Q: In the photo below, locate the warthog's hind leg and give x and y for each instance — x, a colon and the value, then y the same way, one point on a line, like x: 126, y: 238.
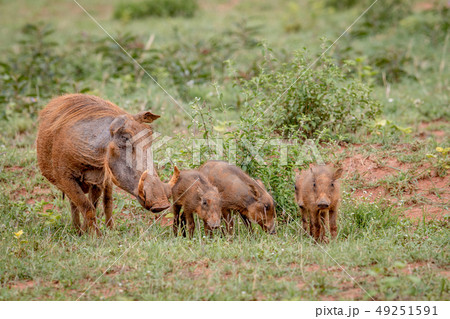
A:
x: 76, y: 195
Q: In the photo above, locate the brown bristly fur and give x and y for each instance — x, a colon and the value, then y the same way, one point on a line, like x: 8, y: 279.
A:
x: 70, y: 108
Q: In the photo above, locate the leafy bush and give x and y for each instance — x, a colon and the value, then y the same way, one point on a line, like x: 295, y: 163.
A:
x: 36, y: 70
x: 192, y: 63
x: 434, y: 23
x: 382, y: 15
x: 341, y: 4
x: 159, y: 8
x: 299, y: 99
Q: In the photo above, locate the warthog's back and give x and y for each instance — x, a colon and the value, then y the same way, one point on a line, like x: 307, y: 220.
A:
x: 66, y: 125
x: 188, y: 183
x: 231, y: 181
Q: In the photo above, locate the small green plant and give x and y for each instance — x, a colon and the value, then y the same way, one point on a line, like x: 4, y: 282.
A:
x: 441, y: 160
x: 159, y: 8
x: 388, y: 131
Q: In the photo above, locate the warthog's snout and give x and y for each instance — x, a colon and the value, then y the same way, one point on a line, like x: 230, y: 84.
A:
x: 272, y: 230
x: 159, y: 208
x: 214, y: 225
x: 322, y: 204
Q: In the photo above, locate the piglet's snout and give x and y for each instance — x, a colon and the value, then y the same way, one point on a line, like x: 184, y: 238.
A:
x: 215, y: 224
x: 323, y: 203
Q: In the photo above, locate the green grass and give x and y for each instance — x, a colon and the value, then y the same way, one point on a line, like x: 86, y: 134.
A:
x: 143, y: 260
x: 388, y: 255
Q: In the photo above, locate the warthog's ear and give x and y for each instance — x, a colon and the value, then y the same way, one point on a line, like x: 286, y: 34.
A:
x: 146, y: 117
x: 117, y: 125
x: 338, y: 173
x: 175, y: 177
x: 255, y: 191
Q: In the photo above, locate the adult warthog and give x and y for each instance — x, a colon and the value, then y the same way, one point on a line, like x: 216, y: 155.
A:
x: 84, y: 145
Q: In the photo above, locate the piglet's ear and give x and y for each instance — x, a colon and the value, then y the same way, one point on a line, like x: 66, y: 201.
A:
x: 338, y: 173
x: 254, y: 190
x: 146, y: 117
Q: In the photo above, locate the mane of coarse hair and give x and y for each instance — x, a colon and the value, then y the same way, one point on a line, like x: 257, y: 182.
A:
x: 71, y: 108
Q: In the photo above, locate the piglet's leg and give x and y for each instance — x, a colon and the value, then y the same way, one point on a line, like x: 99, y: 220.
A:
x: 229, y: 221
x: 315, y: 225
x: 73, y: 190
x: 323, y: 225
x: 190, y: 223
x: 108, y: 205
x: 333, y: 223
x: 176, y: 219
x: 304, y: 214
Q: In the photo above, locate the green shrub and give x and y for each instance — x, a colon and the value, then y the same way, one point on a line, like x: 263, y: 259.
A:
x: 382, y: 15
x: 308, y: 101
x: 434, y: 23
x: 36, y: 70
x: 158, y: 8
x: 341, y: 4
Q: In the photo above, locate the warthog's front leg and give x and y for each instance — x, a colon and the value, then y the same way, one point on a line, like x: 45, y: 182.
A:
x: 190, y: 223
x: 305, y: 217
x: 108, y: 205
x: 94, y: 194
x: 324, y: 225
x: 229, y: 221
x: 75, y: 217
x: 315, y: 225
x: 333, y: 223
x: 177, y: 220
x: 247, y: 223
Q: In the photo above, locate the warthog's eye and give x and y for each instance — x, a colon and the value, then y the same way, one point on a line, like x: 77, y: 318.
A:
x: 295, y: 187
x: 332, y: 184
x: 314, y: 185
x: 204, y: 202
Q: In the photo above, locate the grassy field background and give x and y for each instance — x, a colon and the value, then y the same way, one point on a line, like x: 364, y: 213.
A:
x: 393, y: 241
